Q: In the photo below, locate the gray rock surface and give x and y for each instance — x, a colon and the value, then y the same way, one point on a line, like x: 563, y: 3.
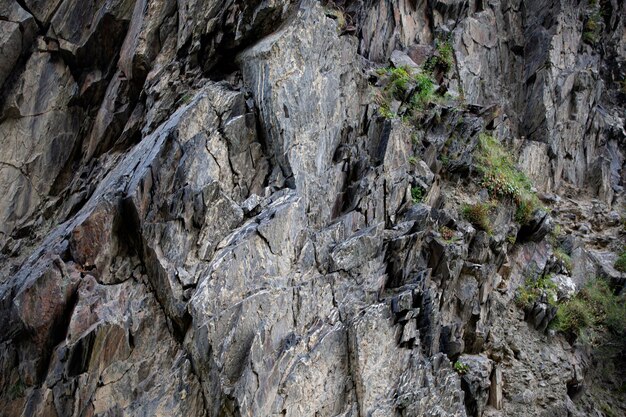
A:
x: 207, y: 212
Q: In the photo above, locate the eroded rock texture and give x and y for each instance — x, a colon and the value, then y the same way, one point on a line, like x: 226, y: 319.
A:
x: 204, y: 212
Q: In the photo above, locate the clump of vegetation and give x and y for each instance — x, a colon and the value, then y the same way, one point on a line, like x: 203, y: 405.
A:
x: 413, y: 89
x: 503, y: 180
x: 337, y: 13
x: 555, y: 234
x: 564, y: 258
x: 593, y: 25
x: 573, y: 317
x: 525, y: 210
x: 534, y: 289
x: 417, y: 194
x: 412, y: 160
x: 399, y: 79
x: 478, y: 215
x: 423, y: 92
x: 443, y: 58
x: 596, y: 308
x: 446, y: 233
x: 620, y: 263
x: 461, y: 368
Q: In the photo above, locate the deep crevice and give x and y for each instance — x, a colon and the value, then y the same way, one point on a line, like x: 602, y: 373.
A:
x: 58, y: 333
x: 23, y: 5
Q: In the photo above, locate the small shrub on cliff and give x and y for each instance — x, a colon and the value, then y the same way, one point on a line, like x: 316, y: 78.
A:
x: 503, y: 180
x: 594, y: 307
x: 417, y: 194
x: 564, y: 258
x: 399, y: 79
x: 533, y: 289
x: 592, y: 26
x: 573, y: 317
x: 461, y: 368
x: 423, y: 92
x: 443, y: 58
x: 478, y: 215
x: 413, y: 90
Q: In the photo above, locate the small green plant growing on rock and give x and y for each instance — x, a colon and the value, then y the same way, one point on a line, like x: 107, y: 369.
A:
x: 555, y: 234
x: 398, y: 82
x: 423, y: 93
x: 406, y: 85
x: 412, y: 160
x: 564, y: 258
x: 620, y: 263
x: 593, y: 25
x: 478, y: 215
x: 386, y: 112
x: 594, y: 307
x: 533, y: 289
x: 417, y: 194
x: 503, y: 180
x: 461, y: 368
x: 525, y: 209
x: 443, y: 57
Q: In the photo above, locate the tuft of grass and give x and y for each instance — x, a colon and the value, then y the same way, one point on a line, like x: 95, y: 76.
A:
x: 620, y: 263
x: 592, y: 23
x: 595, y: 308
x: 387, y: 113
x: 415, y: 89
x: 422, y: 94
x: 443, y: 58
x: 413, y: 160
x: 573, y: 317
x: 503, y: 180
x: 338, y: 15
x: 564, y: 258
x: 461, y: 368
x: 555, y: 234
x: 417, y: 194
x: 478, y: 215
x: 592, y: 26
x: 533, y: 289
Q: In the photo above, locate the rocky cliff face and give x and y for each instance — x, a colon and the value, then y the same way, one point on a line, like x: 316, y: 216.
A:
x: 214, y: 208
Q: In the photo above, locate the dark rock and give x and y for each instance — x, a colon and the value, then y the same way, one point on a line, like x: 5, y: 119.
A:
x: 207, y: 210
x: 538, y: 227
